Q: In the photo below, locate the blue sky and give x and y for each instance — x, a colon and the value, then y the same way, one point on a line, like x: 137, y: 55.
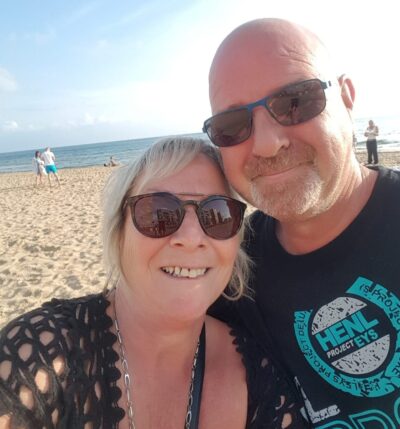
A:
x: 76, y: 72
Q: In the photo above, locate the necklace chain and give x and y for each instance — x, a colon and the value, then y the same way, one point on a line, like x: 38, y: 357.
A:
x: 128, y: 382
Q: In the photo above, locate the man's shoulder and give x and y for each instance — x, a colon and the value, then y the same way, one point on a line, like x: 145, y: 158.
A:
x: 388, y: 179
x: 385, y: 199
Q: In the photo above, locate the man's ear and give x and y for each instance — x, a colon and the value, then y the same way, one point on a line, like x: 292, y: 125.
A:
x: 347, y: 91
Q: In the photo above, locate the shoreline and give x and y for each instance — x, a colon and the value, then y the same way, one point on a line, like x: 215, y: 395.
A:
x: 27, y: 167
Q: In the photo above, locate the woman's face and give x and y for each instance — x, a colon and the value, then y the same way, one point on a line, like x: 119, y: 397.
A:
x: 146, y: 261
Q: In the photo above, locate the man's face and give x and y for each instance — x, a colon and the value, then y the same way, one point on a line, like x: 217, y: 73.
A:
x: 290, y: 172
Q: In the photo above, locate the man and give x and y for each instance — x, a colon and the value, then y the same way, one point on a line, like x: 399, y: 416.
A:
x: 326, y: 276
x: 49, y: 164
x: 372, y: 133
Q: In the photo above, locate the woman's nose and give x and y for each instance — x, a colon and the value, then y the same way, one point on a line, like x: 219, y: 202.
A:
x: 190, y: 234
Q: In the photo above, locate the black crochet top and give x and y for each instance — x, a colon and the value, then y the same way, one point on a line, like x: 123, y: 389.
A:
x: 71, y: 340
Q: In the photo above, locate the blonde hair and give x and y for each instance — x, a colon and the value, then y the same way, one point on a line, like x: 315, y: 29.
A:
x: 165, y: 157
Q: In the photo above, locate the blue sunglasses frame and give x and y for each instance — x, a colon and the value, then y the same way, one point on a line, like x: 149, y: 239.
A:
x: 244, y: 127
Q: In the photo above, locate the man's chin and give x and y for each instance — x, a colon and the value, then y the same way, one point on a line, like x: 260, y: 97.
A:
x: 289, y: 203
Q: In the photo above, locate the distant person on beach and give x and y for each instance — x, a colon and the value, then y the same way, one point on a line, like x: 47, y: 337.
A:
x: 143, y: 353
x: 112, y: 162
x: 326, y: 239
x: 49, y: 164
x: 372, y: 133
x: 38, y: 168
x: 354, y: 141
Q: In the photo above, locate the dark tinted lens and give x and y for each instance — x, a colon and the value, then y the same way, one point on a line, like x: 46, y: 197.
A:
x: 221, y: 218
x: 229, y: 128
x: 157, y: 215
x: 298, y: 103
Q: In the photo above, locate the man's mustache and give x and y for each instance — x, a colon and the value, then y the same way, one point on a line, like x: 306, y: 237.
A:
x: 284, y: 160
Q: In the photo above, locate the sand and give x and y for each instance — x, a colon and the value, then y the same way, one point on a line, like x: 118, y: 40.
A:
x: 50, y: 241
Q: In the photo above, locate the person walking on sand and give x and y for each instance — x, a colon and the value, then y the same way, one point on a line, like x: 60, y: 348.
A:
x: 49, y: 164
x: 326, y: 239
x: 38, y: 168
x: 371, y: 133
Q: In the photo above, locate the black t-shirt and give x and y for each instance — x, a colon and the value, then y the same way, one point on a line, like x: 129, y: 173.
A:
x: 332, y: 316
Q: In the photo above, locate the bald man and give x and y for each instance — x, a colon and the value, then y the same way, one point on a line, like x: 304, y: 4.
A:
x: 326, y: 238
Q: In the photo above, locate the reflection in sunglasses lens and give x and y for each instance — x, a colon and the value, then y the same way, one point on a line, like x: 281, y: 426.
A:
x: 158, y: 216
x: 298, y: 103
x: 221, y: 218
x: 227, y: 127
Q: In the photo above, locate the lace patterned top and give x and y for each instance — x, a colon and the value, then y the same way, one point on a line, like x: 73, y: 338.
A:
x: 72, y: 342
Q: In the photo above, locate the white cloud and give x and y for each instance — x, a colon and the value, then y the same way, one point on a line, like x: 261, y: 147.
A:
x: 90, y: 119
x: 10, y: 126
x: 7, y: 81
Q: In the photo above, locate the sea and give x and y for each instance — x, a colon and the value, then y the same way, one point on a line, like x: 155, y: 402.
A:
x: 93, y: 154
x: 85, y: 155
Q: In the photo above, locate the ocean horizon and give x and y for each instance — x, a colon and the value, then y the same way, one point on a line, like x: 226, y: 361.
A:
x: 124, y: 151
x: 84, y: 155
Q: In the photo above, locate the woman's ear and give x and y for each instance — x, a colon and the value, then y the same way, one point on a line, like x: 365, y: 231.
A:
x: 347, y: 91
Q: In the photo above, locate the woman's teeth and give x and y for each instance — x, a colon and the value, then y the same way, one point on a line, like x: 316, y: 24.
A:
x: 191, y: 273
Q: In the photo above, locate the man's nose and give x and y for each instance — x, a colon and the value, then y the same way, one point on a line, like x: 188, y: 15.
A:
x: 268, y: 136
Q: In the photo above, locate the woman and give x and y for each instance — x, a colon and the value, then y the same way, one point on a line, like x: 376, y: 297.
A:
x: 143, y: 354
x: 38, y: 168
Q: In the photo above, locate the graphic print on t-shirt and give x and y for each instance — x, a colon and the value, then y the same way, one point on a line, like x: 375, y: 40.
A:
x: 351, y: 341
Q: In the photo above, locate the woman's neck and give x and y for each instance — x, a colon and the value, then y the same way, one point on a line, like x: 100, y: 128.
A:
x: 154, y: 341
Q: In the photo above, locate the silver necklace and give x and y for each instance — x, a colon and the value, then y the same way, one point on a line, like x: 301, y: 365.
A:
x: 128, y: 381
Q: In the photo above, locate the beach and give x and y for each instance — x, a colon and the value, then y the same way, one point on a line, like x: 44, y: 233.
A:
x: 50, y: 238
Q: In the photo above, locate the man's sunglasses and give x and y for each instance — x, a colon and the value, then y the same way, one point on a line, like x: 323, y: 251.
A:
x: 160, y: 214
x: 291, y: 105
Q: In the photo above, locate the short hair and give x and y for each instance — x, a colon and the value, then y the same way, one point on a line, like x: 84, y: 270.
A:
x: 164, y: 158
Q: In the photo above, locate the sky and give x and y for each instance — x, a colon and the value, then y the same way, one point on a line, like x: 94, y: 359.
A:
x: 77, y: 72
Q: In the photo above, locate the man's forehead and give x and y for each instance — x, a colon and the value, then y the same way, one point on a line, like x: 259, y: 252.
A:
x: 254, y: 76
x: 250, y: 64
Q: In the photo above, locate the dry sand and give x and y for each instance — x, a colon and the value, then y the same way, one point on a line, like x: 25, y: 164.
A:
x: 50, y: 242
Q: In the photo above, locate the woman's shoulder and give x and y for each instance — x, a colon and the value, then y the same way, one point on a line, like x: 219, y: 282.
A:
x: 63, y: 343
x: 51, y: 329
x: 52, y: 315
x: 274, y: 401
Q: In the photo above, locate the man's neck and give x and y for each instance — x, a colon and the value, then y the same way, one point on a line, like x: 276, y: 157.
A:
x: 304, y: 236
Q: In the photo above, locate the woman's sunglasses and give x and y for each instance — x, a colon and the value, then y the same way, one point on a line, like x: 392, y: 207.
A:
x: 160, y: 214
x: 293, y: 104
